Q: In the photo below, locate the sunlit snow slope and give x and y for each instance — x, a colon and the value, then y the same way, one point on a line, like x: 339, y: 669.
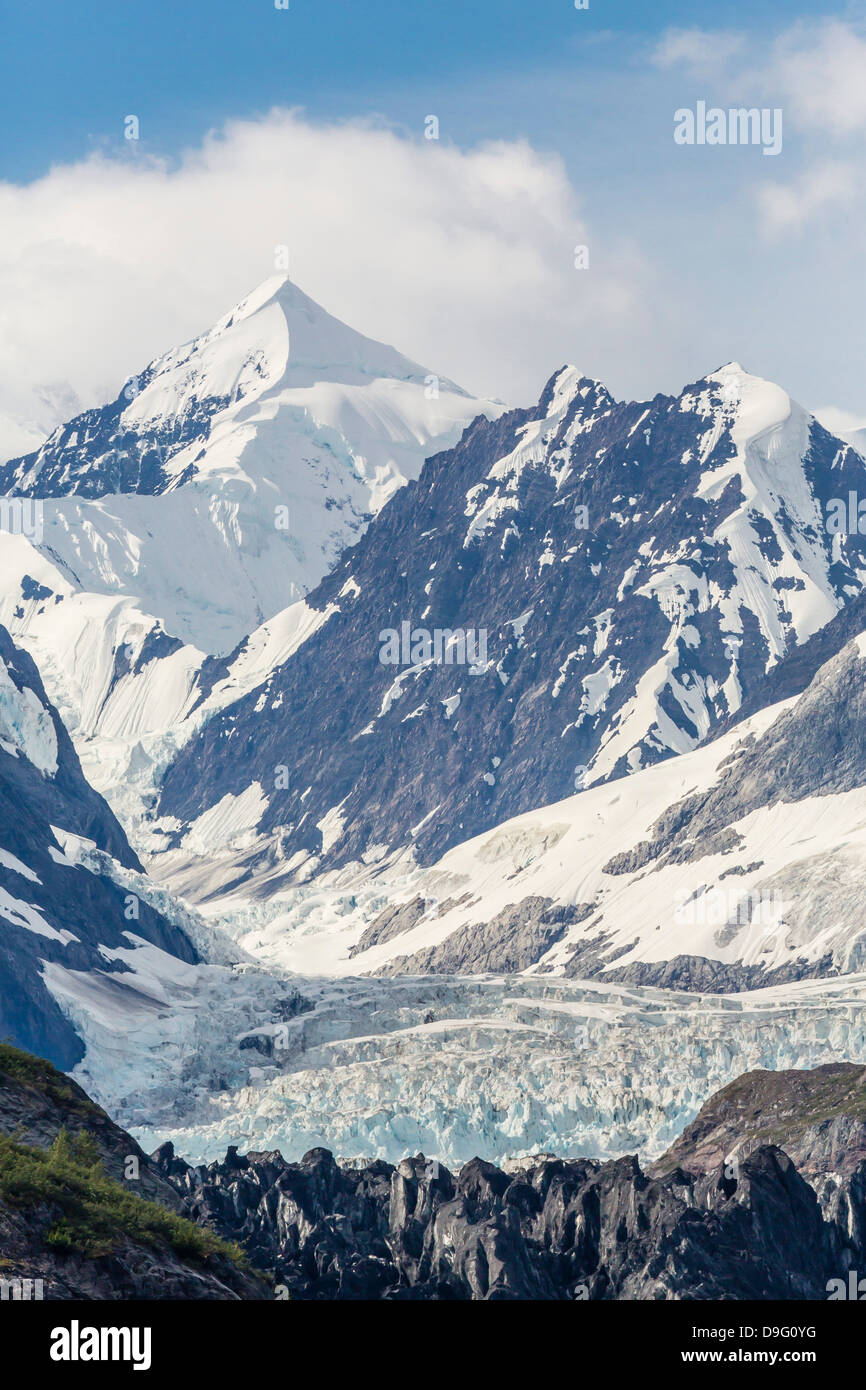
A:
x: 229, y: 475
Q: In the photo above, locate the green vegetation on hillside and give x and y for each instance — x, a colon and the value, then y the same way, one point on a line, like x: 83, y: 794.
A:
x: 807, y: 1099
x: 28, y: 1070
x: 91, y: 1212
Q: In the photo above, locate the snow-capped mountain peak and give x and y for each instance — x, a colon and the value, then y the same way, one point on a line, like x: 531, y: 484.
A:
x: 277, y: 338
x: 571, y: 389
x: 756, y: 404
x: 321, y: 344
x: 238, y: 467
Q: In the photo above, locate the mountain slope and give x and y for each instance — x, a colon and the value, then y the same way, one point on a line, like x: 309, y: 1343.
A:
x: 627, y: 574
x: 734, y: 866
x: 57, y: 914
x: 85, y: 1212
x: 148, y: 538
x: 818, y: 1117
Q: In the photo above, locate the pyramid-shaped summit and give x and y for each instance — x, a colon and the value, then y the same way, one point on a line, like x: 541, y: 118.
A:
x: 240, y: 466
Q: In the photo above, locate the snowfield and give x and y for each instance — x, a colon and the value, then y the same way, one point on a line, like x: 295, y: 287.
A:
x: 789, y: 891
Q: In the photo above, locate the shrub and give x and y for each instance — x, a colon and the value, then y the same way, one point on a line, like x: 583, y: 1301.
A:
x: 92, y: 1211
x: 28, y: 1070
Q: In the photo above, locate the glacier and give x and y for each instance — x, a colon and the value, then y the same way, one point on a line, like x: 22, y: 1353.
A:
x: 495, y: 1067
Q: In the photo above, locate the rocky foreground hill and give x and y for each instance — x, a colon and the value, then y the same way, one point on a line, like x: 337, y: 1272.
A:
x: 817, y: 1116
x: 725, y: 1214
x: 85, y: 1212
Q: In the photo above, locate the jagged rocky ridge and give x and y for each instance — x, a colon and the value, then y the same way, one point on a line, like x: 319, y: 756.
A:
x: 703, y: 1224
x: 723, y: 1215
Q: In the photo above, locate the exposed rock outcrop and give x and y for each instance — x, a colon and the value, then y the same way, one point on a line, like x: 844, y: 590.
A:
x: 818, y: 1117
x: 513, y: 940
x: 552, y: 1230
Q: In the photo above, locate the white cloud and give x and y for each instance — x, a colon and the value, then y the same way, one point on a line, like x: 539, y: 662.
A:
x: 462, y: 259
x: 817, y: 71
x: 702, y: 50
x: 788, y: 207
x: 817, y: 68
x: 820, y: 70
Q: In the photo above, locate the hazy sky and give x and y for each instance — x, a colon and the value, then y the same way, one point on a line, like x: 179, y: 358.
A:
x: 305, y: 127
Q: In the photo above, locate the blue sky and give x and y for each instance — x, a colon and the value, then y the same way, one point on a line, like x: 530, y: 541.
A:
x: 72, y: 71
x: 555, y: 129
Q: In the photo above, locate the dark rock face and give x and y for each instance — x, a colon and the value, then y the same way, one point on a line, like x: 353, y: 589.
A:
x: 553, y: 1229
x: 798, y: 667
x: 513, y: 940
x: 817, y: 1116
x: 99, y: 452
x: 392, y: 921
x: 700, y: 974
x: 66, y: 790
x: 131, y: 1272
x: 52, y: 910
x: 577, y: 606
